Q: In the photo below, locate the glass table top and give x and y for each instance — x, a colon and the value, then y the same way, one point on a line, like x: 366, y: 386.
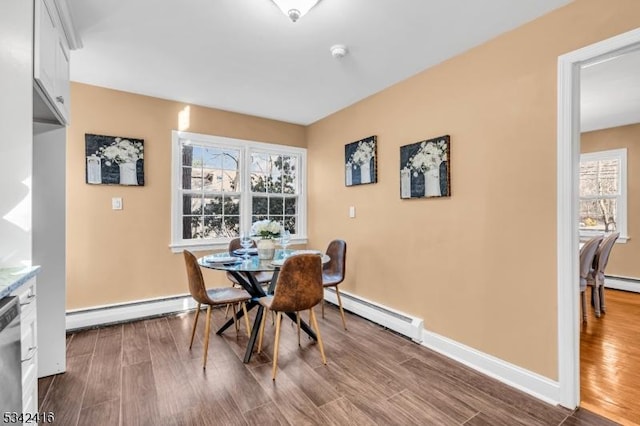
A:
x: 230, y: 262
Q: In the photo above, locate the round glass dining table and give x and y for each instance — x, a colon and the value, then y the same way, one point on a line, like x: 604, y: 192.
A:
x: 246, y: 270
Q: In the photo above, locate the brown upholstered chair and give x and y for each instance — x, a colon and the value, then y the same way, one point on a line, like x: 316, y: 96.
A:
x: 334, y: 270
x: 299, y: 287
x: 211, y: 297
x: 587, y: 254
x: 595, y: 278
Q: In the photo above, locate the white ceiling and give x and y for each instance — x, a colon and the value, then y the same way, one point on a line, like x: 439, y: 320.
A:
x: 610, y: 92
x: 246, y: 56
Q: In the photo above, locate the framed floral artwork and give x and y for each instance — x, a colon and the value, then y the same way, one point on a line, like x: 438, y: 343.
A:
x: 425, y: 168
x: 360, y: 162
x: 114, y: 160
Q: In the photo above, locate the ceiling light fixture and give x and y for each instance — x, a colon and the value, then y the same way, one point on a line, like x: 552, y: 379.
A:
x: 338, y: 51
x: 295, y: 9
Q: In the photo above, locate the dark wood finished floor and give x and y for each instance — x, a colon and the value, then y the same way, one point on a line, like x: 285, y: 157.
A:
x: 142, y: 373
x: 610, y: 359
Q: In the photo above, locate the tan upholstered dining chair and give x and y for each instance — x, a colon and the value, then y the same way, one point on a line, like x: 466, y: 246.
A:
x: 298, y: 288
x: 333, y: 271
x: 211, y: 298
x: 587, y: 254
x: 595, y: 278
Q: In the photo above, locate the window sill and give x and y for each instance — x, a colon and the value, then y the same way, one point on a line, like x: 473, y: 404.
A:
x: 218, y: 245
x: 622, y: 239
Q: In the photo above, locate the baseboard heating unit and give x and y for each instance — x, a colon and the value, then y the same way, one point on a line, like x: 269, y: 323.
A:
x: 112, y: 314
x: 622, y: 283
x: 394, y: 320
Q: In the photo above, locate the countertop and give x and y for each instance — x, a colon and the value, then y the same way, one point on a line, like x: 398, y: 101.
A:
x: 12, y: 278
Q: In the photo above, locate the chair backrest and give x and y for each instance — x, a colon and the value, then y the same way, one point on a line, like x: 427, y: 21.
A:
x: 235, y: 245
x: 299, y: 285
x: 587, y: 253
x: 337, y: 251
x: 196, y: 281
x: 602, y: 254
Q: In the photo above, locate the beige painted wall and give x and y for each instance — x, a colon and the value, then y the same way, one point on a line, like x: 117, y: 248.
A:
x: 118, y: 256
x: 479, y: 267
x: 624, y: 257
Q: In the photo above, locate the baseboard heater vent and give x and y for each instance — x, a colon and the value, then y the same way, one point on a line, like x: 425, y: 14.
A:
x: 622, y: 283
x: 394, y: 320
x: 113, y: 314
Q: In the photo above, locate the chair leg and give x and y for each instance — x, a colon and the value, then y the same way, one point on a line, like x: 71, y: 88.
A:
x: 298, y: 323
x: 195, y: 323
x: 235, y: 318
x: 583, y: 298
x: 276, y: 344
x: 226, y: 312
x: 246, y: 319
x: 317, y: 330
x: 603, y: 307
x: 322, y: 304
x: 344, y: 323
x: 261, y: 331
x: 207, y: 330
x: 596, y: 299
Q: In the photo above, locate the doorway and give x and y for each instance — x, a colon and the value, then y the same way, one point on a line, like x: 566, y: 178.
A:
x: 568, y: 150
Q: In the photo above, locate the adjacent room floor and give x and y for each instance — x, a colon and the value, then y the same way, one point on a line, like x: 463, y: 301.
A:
x: 610, y: 359
x: 143, y: 373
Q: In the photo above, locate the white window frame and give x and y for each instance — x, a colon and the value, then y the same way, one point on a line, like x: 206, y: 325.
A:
x: 246, y: 147
x: 621, y: 199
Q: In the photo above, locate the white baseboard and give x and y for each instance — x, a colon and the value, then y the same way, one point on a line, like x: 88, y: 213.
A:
x: 621, y: 283
x: 394, y: 320
x: 532, y: 383
x: 109, y: 314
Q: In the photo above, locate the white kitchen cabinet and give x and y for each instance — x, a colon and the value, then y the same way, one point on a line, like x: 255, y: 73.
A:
x: 51, y: 59
x: 29, y: 345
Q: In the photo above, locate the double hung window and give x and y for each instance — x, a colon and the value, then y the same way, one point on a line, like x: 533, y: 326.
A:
x: 221, y: 186
x: 603, y: 192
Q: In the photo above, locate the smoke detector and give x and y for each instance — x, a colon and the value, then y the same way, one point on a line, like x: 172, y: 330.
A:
x: 338, y: 51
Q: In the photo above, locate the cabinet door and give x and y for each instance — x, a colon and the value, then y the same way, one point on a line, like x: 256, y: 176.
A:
x: 45, y: 47
x: 62, y: 80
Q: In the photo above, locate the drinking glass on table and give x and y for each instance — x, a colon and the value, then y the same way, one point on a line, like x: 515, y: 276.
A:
x: 285, y: 239
x: 246, y: 242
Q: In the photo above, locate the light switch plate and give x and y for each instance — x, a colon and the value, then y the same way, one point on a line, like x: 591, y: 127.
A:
x: 352, y: 211
x: 116, y: 203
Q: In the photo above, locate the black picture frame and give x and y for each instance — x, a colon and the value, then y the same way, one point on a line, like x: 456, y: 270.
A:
x: 425, y: 170
x: 361, y: 162
x: 114, y: 160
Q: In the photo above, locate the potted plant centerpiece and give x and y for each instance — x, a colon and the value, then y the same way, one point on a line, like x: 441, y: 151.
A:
x: 266, y: 230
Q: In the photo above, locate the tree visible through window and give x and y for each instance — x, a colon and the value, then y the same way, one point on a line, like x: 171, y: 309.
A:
x: 224, y: 185
x: 602, y: 191
x: 273, y: 189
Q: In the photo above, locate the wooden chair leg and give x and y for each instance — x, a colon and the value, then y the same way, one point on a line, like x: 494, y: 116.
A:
x: 207, y: 330
x: 276, y: 344
x: 195, y: 323
x: 235, y: 318
x: 583, y: 298
x: 317, y: 330
x: 298, y: 323
x: 246, y: 319
x: 344, y: 323
x: 226, y: 311
x: 261, y: 331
